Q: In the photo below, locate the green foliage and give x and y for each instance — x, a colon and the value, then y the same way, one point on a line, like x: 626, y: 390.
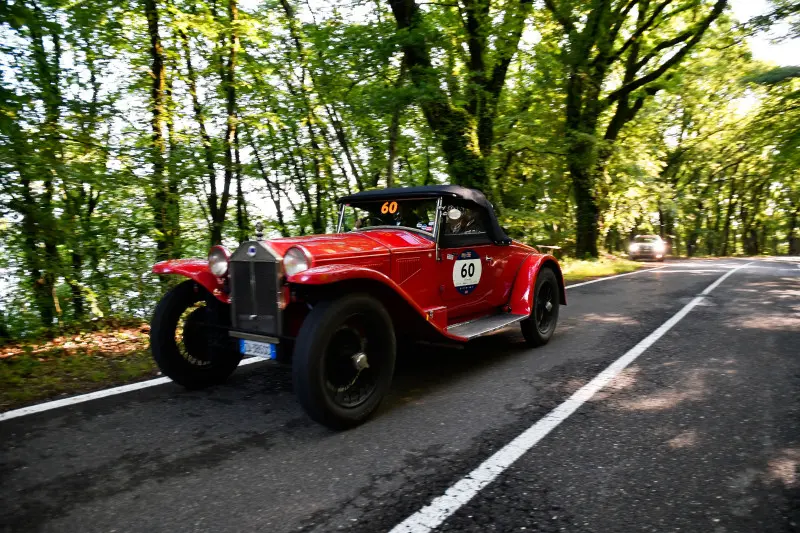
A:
x: 775, y: 75
x: 579, y: 133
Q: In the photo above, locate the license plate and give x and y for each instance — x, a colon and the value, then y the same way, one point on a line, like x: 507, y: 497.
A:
x: 264, y: 350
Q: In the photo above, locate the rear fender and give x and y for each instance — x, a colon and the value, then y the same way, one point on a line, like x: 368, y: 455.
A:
x: 197, y: 270
x: 521, y: 301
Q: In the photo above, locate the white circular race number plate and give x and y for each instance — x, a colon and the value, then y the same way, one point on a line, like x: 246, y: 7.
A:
x: 467, y: 271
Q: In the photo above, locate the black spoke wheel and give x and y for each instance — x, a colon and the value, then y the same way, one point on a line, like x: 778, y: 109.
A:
x: 348, y: 377
x: 189, y: 337
x: 544, y: 309
x: 344, y: 360
x: 539, y: 327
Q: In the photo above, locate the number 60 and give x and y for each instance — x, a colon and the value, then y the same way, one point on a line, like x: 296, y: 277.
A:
x: 389, y: 208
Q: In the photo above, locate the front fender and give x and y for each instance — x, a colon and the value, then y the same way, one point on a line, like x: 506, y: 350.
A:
x: 333, y: 273
x: 521, y: 302
x: 197, y: 270
x: 329, y: 274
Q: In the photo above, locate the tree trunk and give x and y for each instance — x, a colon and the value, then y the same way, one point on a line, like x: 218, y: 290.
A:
x: 242, y: 223
x: 691, y: 241
x: 228, y: 75
x: 163, y: 198
x: 5, y: 334
x: 728, y: 215
x: 394, y: 128
x: 205, y: 139
x: 273, y: 191
x: 39, y: 219
x: 341, y: 137
x: 454, y: 127
x: 581, y: 164
x: 794, y: 237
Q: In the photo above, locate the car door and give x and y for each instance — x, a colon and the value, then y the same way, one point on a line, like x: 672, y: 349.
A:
x: 470, y: 265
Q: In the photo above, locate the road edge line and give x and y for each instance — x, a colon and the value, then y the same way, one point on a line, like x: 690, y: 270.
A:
x: 442, y: 507
x: 102, y: 393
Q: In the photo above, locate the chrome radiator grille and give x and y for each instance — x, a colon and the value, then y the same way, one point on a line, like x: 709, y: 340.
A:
x: 254, y: 293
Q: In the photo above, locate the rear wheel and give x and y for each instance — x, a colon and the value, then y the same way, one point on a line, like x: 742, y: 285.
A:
x: 539, y: 327
x: 344, y: 360
x: 189, y: 337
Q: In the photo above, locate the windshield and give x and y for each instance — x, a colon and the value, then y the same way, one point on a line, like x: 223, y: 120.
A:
x: 417, y: 214
x: 646, y: 239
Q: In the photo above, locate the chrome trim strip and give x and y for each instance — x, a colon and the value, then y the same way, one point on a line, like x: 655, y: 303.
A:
x: 504, y: 321
x: 437, y: 225
x: 252, y: 337
x: 396, y: 228
x: 340, y: 225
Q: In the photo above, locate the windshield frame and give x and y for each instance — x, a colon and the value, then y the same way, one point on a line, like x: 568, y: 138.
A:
x: 436, y: 221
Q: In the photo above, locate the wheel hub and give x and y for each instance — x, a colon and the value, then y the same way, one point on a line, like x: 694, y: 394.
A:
x: 349, y: 375
x: 360, y: 361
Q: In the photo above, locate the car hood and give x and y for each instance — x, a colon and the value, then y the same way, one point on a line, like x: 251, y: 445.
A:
x: 343, y: 246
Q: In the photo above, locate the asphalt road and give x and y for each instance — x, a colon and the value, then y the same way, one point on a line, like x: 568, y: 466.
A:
x: 700, y: 433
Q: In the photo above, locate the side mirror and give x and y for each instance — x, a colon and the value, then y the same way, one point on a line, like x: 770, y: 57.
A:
x: 454, y: 214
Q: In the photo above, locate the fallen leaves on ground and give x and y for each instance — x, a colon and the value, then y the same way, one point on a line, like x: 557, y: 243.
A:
x: 104, y: 343
x: 72, y: 363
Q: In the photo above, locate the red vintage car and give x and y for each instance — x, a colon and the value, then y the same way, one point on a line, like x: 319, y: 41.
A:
x: 419, y: 263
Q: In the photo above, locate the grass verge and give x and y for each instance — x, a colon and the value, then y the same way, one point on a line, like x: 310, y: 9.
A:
x: 608, y: 265
x: 67, y: 365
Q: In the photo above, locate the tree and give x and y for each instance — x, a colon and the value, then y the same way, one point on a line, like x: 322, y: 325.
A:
x: 164, y: 186
x: 638, y: 41
x: 463, y: 118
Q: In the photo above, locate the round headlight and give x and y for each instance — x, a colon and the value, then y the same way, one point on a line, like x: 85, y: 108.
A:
x: 218, y: 261
x: 295, y: 261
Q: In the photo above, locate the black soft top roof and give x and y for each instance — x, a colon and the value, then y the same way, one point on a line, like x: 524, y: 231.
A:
x: 456, y: 192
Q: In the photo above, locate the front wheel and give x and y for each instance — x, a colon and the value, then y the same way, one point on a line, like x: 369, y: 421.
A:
x: 344, y: 360
x: 189, y: 338
x: 539, y: 327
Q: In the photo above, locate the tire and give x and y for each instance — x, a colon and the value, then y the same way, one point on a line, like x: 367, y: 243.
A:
x: 326, y: 375
x: 540, y: 326
x: 205, y: 355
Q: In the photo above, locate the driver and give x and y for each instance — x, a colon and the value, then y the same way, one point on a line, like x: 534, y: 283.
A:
x: 455, y: 225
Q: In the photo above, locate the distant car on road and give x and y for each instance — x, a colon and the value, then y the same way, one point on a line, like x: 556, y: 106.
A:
x: 647, y: 247
x: 419, y: 263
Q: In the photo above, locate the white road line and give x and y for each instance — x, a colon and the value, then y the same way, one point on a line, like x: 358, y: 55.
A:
x: 693, y: 271
x: 434, y: 514
x: 723, y: 278
x: 55, y: 404
x: 613, y: 277
x: 46, y: 406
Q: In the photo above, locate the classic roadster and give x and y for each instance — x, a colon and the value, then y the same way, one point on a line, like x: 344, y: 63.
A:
x: 420, y: 263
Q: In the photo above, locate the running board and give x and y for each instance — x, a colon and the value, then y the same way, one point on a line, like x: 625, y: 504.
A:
x: 484, y: 325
